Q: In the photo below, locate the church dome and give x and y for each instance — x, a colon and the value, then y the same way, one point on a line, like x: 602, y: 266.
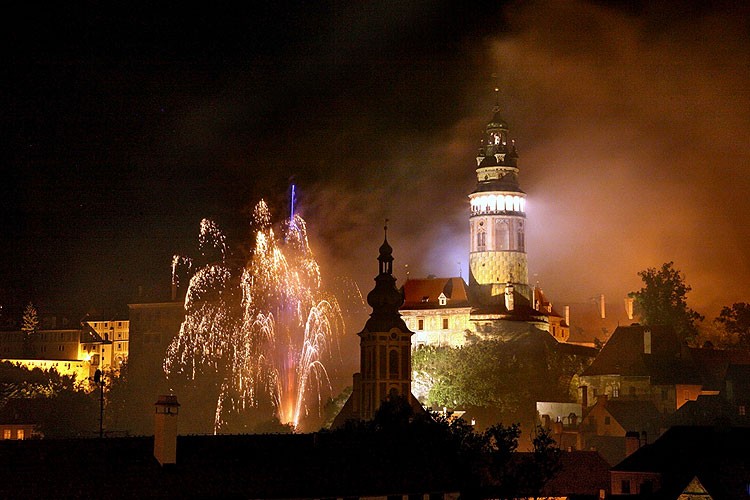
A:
x: 497, y: 122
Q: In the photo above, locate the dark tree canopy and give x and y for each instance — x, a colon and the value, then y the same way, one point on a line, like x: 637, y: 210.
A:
x: 662, y: 301
x: 485, y: 464
x: 735, y: 323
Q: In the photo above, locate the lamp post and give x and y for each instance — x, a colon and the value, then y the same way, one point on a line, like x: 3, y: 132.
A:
x: 99, y: 379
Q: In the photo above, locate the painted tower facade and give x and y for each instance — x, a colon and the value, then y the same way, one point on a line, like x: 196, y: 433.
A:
x: 497, y: 258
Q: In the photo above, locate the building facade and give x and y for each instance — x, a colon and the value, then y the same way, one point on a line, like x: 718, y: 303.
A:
x: 117, y: 331
x: 73, y: 352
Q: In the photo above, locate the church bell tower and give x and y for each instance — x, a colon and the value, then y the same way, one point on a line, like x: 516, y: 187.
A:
x: 497, y: 222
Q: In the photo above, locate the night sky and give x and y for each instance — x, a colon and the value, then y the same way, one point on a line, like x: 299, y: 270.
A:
x: 122, y: 130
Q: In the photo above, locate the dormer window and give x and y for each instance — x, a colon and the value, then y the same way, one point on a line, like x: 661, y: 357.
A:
x: 425, y: 299
x: 442, y: 299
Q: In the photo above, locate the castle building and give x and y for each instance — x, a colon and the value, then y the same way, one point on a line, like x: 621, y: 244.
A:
x: 75, y: 352
x: 385, y: 349
x: 498, y: 300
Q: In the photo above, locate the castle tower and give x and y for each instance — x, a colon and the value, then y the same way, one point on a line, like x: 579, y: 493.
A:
x: 498, y: 216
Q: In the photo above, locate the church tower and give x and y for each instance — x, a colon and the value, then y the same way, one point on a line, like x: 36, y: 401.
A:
x: 385, y: 349
x: 497, y: 259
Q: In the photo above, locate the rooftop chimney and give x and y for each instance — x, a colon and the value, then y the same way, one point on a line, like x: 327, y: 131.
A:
x: 629, y: 307
x: 509, y: 297
x: 165, y: 429
x: 632, y: 443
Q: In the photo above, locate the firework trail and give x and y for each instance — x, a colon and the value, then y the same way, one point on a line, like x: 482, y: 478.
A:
x: 264, y: 329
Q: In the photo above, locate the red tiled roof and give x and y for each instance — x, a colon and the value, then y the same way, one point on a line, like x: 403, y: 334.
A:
x: 424, y: 293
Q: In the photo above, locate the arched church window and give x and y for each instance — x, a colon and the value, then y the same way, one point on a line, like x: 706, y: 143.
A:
x: 393, y: 363
x: 502, y: 235
x: 520, y: 238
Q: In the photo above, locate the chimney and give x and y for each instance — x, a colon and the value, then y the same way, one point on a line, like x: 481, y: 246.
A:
x: 509, y: 297
x: 584, y: 396
x: 165, y: 429
x: 567, y: 315
x: 602, y: 312
x: 629, y: 307
x: 631, y: 443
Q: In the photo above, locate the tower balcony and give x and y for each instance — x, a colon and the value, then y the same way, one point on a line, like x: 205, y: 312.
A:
x: 492, y: 203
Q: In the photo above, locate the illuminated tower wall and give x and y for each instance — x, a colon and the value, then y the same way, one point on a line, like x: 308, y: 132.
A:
x: 498, y: 215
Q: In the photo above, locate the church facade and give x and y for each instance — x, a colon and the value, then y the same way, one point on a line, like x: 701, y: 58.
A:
x: 498, y: 301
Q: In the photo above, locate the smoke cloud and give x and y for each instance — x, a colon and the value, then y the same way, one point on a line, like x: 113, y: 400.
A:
x: 630, y: 129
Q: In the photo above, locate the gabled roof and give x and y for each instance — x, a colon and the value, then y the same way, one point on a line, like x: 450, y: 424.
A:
x: 632, y: 415
x: 707, y: 410
x: 624, y: 354
x: 544, y: 305
x: 89, y: 335
x: 713, y: 364
x: 424, y: 293
x: 717, y: 455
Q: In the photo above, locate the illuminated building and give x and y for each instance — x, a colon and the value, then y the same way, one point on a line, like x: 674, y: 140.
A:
x: 385, y: 350
x: 74, y: 352
x: 117, y: 331
x: 498, y: 300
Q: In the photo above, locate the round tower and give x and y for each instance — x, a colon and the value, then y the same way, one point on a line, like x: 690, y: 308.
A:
x: 498, y: 216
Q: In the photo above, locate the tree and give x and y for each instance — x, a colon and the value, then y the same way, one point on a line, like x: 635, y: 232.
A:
x: 29, y: 325
x: 735, y: 322
x: 496, y: 374
x: 662, y: 301
x: 30, y: 321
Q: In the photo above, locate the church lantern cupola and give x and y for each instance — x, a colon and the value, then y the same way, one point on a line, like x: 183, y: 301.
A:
x: 498, y: 215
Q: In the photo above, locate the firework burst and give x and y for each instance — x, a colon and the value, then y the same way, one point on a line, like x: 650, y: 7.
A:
x: 265, y: 329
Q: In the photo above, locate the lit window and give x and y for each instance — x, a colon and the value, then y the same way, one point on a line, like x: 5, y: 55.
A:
x: 6, y: 434
x: 19, y: 434
x: 742, y: 410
